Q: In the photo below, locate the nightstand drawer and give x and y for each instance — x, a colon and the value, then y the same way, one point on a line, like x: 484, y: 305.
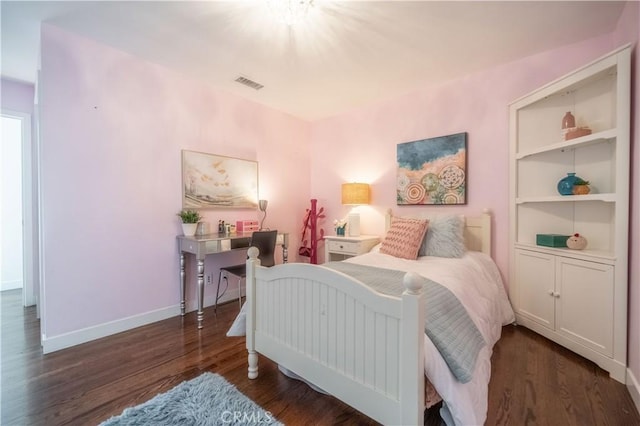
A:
x: 340, y: 248
x: 344, y: 247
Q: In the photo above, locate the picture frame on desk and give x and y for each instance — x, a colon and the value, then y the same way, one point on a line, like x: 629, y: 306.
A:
x: 212, y: 181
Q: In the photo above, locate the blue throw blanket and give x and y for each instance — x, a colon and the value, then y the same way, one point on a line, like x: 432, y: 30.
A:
x: 448, y: 324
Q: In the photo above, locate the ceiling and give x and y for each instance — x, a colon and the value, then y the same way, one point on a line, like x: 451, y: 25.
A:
x: 346, y: 54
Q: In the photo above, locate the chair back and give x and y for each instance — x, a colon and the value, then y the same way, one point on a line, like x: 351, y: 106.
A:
x: 265, y: 242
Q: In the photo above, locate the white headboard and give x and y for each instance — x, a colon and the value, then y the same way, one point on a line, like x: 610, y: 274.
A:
x: 477, y: 230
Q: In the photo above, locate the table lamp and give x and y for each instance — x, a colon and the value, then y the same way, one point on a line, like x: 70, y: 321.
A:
x: 262, y: 205
x: 355, y: 194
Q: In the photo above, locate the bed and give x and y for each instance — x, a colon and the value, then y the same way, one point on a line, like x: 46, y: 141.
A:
x: 369, y: 348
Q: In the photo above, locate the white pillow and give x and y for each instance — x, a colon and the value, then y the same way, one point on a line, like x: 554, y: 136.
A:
x: 444, y: 238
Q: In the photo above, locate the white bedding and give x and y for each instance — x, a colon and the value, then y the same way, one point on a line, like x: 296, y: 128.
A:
x: 476, y: 281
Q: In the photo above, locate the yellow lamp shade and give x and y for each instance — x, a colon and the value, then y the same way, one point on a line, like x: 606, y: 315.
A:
x: 355, y: 193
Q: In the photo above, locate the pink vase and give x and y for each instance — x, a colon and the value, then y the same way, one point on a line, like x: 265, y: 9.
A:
x: 568, y: 121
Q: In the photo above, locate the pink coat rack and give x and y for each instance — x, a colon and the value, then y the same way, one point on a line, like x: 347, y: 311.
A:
x: 309, y: 247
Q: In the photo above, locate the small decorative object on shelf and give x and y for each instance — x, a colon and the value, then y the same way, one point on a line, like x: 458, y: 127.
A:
x: 577, y: 242
x: 340, y: 226
x: 581, y: 187
x: 568, y: 123
x: 565, y: 186
x: 577, y: 132
x: 552, y: 240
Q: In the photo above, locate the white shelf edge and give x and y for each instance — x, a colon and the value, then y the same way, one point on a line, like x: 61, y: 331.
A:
x: 600, y: 256
x: 573, y: 143
x: 607, y: 198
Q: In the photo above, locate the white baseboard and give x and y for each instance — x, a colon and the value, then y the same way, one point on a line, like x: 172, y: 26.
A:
x: 66, y: 340
x: 88, y: 334
x: 634, y: 388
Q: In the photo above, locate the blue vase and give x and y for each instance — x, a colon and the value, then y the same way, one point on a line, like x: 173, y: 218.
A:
x: 565, y: 186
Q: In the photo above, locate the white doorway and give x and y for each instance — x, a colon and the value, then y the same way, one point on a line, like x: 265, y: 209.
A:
x: 16, y: 207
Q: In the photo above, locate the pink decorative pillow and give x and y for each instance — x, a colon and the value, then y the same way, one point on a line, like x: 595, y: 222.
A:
x: 404, y: 237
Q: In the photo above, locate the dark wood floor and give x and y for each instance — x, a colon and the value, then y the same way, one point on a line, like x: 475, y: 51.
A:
x: 534, y: 382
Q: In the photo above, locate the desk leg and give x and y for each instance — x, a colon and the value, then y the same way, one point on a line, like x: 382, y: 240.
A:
x: 200, y: 292
x: 182, y: 283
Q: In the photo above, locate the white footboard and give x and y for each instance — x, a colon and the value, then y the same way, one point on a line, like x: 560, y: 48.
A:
x: 364, y: 348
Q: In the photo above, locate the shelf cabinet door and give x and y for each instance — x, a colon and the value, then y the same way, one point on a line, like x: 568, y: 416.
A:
x: 584, y: 303
x: 535, y: 278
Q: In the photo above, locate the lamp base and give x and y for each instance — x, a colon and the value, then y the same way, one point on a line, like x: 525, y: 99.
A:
x: 354, y: 224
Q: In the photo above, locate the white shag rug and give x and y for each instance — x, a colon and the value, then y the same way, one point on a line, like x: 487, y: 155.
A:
x: 206, y: 400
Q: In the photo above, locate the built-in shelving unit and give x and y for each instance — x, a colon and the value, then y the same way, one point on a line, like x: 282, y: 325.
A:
x: 577, y: 298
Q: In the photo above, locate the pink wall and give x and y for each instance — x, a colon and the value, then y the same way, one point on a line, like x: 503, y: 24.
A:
x: 17, y: 96
x: 113, y: 128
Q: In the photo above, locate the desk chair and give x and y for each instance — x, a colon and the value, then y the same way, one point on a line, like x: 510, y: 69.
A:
x: 265, y: 242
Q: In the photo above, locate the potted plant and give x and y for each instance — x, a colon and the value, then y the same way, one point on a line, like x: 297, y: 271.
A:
x: 190, y: 219
x: 581, y: 187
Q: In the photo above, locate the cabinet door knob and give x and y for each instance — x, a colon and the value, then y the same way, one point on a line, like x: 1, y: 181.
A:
x: 551, y: 293
x: 556, y: 295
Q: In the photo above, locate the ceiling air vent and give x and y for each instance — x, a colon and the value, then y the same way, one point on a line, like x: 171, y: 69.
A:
x: 249, y: 83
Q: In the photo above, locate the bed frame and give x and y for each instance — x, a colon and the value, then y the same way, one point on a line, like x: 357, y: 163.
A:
x: 364, y: 348
x: 477, y: 231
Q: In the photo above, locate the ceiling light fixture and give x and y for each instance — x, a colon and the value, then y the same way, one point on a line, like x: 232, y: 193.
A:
x: 290, y: 11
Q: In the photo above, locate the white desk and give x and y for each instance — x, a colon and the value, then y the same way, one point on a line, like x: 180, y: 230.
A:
x: 211, y: 244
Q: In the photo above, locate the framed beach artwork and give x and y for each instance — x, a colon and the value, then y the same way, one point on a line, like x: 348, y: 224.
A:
x: 215, y: 181
x: 432, y: 171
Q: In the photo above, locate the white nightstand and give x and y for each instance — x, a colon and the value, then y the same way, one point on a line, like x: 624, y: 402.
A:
x: 339, y: 248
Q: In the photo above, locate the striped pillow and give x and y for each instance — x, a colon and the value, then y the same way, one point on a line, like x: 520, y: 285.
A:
x: 404, y: 237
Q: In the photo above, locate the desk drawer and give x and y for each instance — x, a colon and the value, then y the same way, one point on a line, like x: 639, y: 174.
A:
x: 216, y: 246
x: 189, y: 246
x: 204, y: 247
x: 349, y: 247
